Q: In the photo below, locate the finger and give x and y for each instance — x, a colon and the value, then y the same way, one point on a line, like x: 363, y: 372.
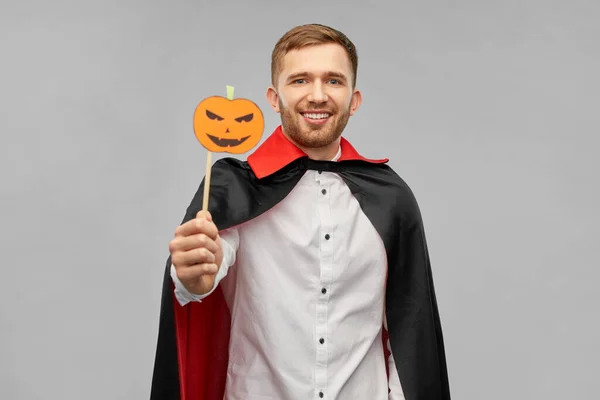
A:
x: 185, y: 259
x: 204, y: 214
x: 200, y: 240
x: 188, y: 228
x: 195, y: 226
x: 196, y: 271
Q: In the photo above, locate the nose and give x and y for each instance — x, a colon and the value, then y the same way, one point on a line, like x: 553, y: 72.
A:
x: 317, y: 94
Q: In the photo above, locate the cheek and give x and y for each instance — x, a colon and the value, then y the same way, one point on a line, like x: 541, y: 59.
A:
x: 348, y: 103
x: 343, y: 100
x: 282, y: 101
x: 289, y: 100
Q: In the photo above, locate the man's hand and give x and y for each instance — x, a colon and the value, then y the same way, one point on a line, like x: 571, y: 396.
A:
x: 196, y: 253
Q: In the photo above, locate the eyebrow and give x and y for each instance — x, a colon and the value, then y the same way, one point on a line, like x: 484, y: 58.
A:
x: 331, y: 74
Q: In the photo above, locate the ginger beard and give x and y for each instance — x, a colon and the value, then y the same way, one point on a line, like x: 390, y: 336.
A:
x: 313, y: 136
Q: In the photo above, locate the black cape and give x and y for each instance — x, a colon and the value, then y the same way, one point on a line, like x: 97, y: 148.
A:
x: 191, y: 358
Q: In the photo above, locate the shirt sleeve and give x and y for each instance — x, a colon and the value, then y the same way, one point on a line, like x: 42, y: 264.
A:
x: 396, y: 392
x: 229, y: 243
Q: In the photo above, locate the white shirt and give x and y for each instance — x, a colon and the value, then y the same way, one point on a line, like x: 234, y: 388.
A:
x: 305, y: 283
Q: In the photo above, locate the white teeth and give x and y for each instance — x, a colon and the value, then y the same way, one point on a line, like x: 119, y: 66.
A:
x: 316, y: 116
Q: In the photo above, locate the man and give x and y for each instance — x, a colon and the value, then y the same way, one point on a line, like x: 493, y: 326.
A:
x: 287, y: 287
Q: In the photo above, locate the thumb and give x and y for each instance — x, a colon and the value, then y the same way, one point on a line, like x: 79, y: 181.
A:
x: 204, y: 214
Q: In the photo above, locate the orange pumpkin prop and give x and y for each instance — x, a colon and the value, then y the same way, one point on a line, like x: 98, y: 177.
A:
x: 230, y: 126
x: 225, y: 125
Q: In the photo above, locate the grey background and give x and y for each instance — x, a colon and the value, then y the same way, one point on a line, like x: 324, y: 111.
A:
x: 489, y: 110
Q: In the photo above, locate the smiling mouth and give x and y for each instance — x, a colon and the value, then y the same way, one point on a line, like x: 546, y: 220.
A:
x: 316, y: 118
x: 227, y: 142
x: 316, y: 115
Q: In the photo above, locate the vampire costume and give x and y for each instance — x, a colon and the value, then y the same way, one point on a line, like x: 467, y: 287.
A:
x: 192, y: 355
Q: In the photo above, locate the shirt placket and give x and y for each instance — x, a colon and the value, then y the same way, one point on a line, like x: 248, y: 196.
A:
x: 326, y: 268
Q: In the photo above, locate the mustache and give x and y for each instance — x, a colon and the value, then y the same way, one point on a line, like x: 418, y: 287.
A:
x: 308, y: 108
x: 322, y: 109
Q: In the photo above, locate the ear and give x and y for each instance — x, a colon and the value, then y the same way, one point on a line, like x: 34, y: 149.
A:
x: 355, y: 101
x: 273, y: 98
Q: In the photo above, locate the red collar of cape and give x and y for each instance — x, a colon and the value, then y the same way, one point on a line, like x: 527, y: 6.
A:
x: 278, y: 151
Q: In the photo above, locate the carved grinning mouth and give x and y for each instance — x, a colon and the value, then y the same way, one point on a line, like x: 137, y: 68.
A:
x: 226, y: 142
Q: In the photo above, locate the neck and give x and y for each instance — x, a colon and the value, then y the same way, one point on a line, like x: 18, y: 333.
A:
x: 325, y: 153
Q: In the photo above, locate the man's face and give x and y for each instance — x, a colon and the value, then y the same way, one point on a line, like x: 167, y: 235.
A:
x: 314, y: 94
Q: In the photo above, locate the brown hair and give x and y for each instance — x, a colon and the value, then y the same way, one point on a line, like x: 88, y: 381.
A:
x: 310, y: 35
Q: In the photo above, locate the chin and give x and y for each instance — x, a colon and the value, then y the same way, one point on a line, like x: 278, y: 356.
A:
x: 315, y: 138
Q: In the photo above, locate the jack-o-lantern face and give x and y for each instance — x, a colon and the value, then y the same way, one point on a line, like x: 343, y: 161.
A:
x: 231, y: 126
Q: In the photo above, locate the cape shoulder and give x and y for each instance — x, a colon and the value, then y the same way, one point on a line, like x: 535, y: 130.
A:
x: 236, y: 195
x: 379, y: 186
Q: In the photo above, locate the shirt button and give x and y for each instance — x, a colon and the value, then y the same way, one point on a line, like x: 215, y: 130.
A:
x: 321, y: 394
x: 323, y: 290
x: 324, y: 191
x: 320, y: 172
x: 327, y: 236
x: 321, y: 340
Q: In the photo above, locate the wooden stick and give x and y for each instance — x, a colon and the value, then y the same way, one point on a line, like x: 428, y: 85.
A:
x: 207, y: 181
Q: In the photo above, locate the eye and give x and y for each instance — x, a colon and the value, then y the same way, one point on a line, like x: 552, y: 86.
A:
x: 334, y: 81
x: 213, y: 116
x: 299, y: 81
x: 245, y: 118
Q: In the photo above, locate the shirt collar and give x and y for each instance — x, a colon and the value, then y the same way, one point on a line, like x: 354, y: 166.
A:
x: 277, y: 151
x: 338, y: 154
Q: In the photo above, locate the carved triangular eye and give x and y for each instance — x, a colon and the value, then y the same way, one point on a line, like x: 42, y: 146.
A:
x: 245, y: 118
x: 213, y: 116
